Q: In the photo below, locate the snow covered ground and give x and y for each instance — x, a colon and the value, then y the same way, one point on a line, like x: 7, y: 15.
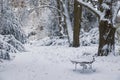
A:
x: 53, y: 63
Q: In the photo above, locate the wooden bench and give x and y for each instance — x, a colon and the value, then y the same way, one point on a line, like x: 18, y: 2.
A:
x: 86, y: 64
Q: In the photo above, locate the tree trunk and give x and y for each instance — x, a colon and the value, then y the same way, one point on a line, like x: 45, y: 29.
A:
x: 106, y: 32
x: 68, y: 23
x: 77, y: 23
x: 1, y: 6
x: 106, y: 38
x: 59, y: 17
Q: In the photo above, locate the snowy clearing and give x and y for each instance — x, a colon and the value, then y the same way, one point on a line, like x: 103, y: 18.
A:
x: 53, y: 63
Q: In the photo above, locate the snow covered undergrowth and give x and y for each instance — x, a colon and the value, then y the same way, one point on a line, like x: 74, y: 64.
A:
x: 53, y: 63
x: 9, y: 45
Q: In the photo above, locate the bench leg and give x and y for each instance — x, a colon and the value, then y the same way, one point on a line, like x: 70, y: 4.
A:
x: 75, y: 67
x: 84, y: 67
x: 90, y: 66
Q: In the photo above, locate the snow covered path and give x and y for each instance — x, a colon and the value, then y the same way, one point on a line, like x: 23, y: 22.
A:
x: 52, y: 63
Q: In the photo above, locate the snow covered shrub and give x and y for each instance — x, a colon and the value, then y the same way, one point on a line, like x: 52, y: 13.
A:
x: 15, y: 43
x: 11, y: 34
x: 44, y: 42
x: 5, y: 46
x: 59, y: 42
x: 8, y: 44
x: 31, y: 33
x: 56, y: 41
x: 89, y: 38
x: 4, y: 54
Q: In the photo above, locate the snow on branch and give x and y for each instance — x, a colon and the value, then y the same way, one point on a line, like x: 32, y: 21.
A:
x: 100, y: 14
x: 46, y: 6
x: 92, y: 8
x: 116, y: 10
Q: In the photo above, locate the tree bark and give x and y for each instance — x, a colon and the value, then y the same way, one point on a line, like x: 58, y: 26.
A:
x: 59, y: 16
x: 106, y: 38
x: 77, y: 23
x: 106, y: 32
x: 68, y: 23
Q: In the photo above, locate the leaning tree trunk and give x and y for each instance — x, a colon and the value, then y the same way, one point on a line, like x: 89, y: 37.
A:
x: 106, y: 38
x: 106, y: 30
x: 68, y: 23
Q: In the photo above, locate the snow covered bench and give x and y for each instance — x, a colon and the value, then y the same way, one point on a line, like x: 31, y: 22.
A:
x: 84, y: 61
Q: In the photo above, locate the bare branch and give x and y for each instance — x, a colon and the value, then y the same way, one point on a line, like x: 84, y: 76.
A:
x: 48, y: 6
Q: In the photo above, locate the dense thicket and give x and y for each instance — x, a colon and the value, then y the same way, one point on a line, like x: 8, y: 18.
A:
x: 12, y: 36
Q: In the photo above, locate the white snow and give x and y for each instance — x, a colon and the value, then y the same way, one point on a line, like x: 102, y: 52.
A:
x: 42, y: 62
x: 119, y: 13
x: 53, y: 63
x: 105, y: 6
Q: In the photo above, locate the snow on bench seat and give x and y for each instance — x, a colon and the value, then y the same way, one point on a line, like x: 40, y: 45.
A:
x: 84, y: 61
